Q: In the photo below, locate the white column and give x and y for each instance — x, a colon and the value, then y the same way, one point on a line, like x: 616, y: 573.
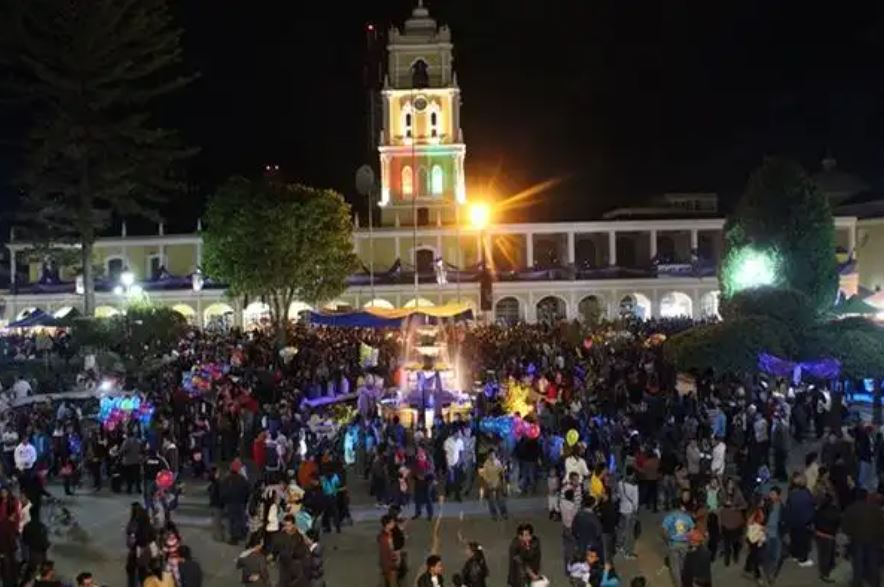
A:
x: 695, y: 239
x: 851, y: 241
x: 12, y: 254
x: 653, y: 244
x: 199, y: 253
x: 612, y: 247
x: 571, y: 253
x: 162, y: 257
x: 529, y: 240
x: 439, y: 250
x: 397, y: 247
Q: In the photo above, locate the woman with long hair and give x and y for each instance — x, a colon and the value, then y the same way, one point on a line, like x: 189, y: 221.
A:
x: 475, y: 569
x: 141, y: 541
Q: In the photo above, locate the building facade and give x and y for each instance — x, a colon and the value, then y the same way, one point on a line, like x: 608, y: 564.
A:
x: 424, y: 251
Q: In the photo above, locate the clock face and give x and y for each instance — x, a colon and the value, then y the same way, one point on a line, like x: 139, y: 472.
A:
x: 420, y: 103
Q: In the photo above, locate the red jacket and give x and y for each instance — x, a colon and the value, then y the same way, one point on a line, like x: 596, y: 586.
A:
x: 258, y: 452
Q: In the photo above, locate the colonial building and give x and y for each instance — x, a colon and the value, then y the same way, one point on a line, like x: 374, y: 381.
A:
x: 659, y: 260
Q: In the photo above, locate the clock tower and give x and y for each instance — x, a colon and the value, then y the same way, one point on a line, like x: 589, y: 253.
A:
x: 421, y: 143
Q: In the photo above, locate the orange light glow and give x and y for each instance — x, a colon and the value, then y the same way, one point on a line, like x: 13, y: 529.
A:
x: 480, y: 215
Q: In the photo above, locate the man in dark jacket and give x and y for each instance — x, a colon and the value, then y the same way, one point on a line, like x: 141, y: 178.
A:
x: 188, y: 569
x: 235, y: 496
x: 826, y: 523
x: 798, y: 516
x: 587, y: 528
x: 525, y: 557
x: 863, y: 522
x: 697, y: 568
x: 292, y: 555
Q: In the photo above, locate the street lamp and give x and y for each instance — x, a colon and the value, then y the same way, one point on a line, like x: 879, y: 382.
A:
x: 480, y: 215
x: 480, y: 218
x: 127, y: 278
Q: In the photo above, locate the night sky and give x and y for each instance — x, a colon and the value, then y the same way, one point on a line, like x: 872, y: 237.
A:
x: 621, y: 100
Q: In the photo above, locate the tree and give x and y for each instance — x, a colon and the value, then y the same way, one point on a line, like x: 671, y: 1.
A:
x: 279, y: 242
x: 784, y: 216
x: 87, y: 70
x: 730, y: 347
x: 790, y: 307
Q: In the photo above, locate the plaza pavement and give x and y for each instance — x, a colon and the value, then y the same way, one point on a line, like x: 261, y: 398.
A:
x: 351, y: 557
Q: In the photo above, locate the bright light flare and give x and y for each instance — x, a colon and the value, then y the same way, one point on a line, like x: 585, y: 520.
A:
x: 753, y: 268
x: 127, y: 278
x: 480, y: 215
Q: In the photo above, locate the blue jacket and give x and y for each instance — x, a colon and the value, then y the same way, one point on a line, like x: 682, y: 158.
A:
x: 799, y: 508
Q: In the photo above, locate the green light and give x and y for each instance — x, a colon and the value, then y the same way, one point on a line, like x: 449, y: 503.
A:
x: 752, y: 268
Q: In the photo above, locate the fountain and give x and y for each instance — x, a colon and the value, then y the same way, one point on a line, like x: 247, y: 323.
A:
x: 428, y: 382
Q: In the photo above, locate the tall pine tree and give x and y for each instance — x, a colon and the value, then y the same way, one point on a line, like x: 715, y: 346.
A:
x: 88, y: 69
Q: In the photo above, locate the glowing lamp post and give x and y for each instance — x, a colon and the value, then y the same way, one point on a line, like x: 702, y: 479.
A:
x: 480, y: 218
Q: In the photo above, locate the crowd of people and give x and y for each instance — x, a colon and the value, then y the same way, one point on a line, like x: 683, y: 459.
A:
x: 606, y: 428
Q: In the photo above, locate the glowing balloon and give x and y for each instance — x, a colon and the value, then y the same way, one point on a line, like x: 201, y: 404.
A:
x: 165, y: 479
x: 572, y: 437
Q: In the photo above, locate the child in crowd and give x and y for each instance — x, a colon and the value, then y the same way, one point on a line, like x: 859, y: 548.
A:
x: 553, y: 486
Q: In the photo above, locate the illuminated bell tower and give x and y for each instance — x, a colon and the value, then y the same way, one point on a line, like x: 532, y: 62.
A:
x: 421, y: 144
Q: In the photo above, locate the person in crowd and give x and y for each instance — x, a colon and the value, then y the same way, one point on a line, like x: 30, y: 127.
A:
x: 755, y: 538
x: 316, y: 566
x: 85, y: 579
x: 628, y: 491
x: 524, y: 557
x: 732, y: 527
x: 454, y: 448
x: 697, y: 565
x: 432, y: 575
x: 190, y: 573
x: 387, y: 554
x: 252, y: 564
x: 587, y: 527
x: 292, y: 555
x: 475, y: 569
x: 607, y: 512
x: 773, y: 533
x: 826, y: 523
x: 863, y: 522
x: 494, y: 477
x: 46, y: 576
x: 799, y: 515
x: 677, y: 527
x: 234, y: 493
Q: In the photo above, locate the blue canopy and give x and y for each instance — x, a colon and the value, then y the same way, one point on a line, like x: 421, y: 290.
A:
x: 354, y: 320
x: 35, y: 319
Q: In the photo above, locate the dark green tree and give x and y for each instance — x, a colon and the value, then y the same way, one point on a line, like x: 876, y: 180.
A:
x: 783, y: 210
x: 279, y: 242
x: 86, y: 71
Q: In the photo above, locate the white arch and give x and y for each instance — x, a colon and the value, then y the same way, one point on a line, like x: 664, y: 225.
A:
x: 295, y: 309
x: 254, y: 313
x: 560, y: 312
x: 418, y: 303
x: 675, y: 303
x: 216, y: 310
x: 709, y: 302
x: 185, y: 310
x: 584, y: 307
x: 379, y: 303
x: 334, y: 305
x: 106, y: 312
x: 508, y: 309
